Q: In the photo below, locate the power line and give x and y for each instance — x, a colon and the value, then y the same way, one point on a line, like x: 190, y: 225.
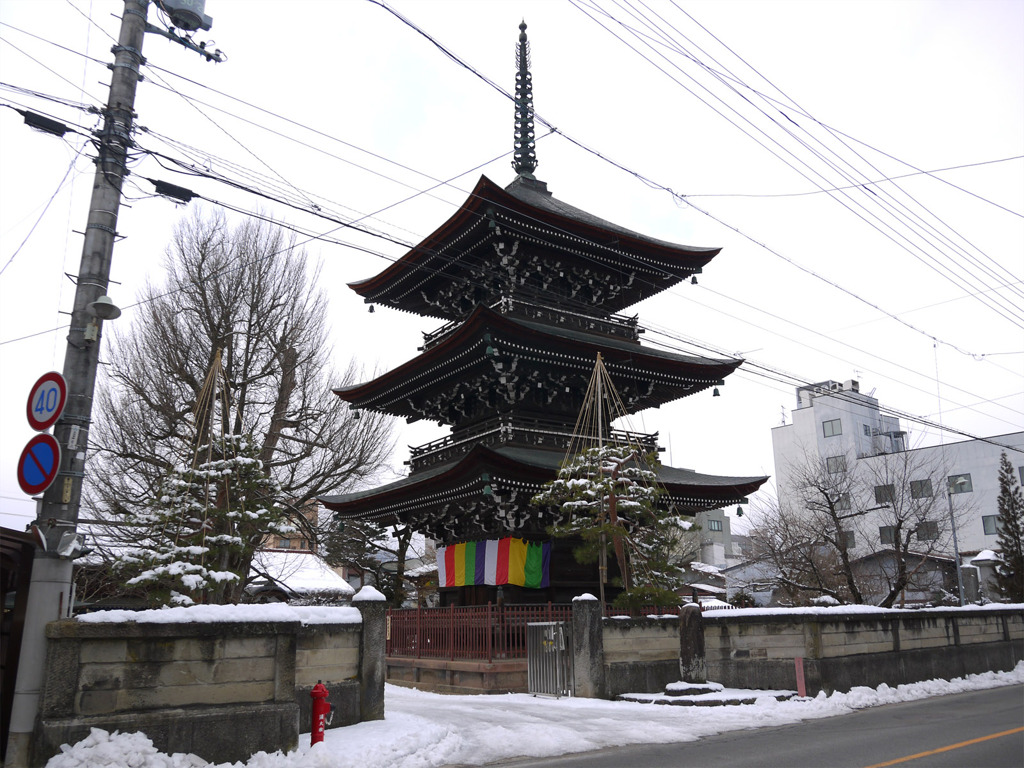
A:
x: 898, y: 238
x: 874, y: 182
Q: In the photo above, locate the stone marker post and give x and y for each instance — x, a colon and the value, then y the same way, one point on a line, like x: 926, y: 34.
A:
x: 693, y: 666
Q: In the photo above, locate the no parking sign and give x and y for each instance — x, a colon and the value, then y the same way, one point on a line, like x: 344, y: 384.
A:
x: 38, y: 465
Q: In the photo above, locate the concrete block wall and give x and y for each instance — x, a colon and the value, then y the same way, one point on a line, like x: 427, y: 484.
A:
x: 221, y: 690
x: 842, y: 649
x: 640, y: 640
x: 328, y: 653
x: 640, y: 655
x: 158, y: 678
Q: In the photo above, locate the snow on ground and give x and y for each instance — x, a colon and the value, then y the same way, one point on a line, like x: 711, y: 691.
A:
x: 426, y: 730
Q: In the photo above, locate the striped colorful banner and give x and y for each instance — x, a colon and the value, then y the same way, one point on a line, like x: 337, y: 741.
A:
x: 494, y: 562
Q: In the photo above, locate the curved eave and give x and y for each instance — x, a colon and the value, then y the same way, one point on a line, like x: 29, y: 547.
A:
x: 579, y: 345
x: 468, y: 475
x: 538, y: 211
x: 468, y: 213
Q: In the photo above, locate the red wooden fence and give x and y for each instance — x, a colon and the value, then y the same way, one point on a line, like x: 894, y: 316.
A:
x: 480, y: 632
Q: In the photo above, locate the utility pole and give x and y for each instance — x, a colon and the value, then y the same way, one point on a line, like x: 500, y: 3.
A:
x: 57, y: 512
x: 50, y: 591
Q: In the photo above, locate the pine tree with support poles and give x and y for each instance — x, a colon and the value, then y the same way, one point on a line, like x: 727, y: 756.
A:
x: 607, y: 492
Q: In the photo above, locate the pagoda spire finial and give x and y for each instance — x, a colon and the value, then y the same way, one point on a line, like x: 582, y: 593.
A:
x: 524, y: 158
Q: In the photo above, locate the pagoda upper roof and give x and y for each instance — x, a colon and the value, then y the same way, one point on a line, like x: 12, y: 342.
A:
x: 522, y: 241
x: 495, y: 472
x: 495, y: 348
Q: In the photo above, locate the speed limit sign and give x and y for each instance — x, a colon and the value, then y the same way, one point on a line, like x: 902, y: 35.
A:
x: 46, y: 401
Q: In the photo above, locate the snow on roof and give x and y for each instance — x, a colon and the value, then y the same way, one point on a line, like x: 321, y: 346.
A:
x: 986, y: 556
x: 696, y: 565
x: 714, y: 604
x: 301, y: 573
x: 423, y: 570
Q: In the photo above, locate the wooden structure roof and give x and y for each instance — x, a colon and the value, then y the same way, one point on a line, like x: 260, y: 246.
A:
x: 523, y: 242
x: 496, y: 361
x: 488, y: 489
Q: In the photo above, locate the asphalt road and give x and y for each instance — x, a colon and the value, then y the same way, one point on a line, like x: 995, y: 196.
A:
x: 982, y: 729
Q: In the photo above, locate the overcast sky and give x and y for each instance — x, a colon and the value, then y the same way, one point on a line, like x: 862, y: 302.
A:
x: 703, y: 123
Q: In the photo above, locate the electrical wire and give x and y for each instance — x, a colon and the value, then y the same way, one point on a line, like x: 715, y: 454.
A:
x: 456, y: 177
x: 60, y: 185
x: 1009, y: 311
x: 874, y: 182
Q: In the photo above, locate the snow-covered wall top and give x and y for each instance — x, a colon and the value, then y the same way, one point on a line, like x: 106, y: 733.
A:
x: 209, y: 614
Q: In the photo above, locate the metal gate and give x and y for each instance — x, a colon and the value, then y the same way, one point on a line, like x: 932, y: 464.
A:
x: 549, y: 658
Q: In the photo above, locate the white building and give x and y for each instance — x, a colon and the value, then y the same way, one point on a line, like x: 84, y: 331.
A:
x: 836, y: 422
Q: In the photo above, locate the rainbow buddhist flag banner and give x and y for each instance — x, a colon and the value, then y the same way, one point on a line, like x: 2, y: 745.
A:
x: 494, y: 562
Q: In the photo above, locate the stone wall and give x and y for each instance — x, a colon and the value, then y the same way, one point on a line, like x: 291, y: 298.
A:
x: 640, y: 655
x: 219, y: 689
x: 840, y: 650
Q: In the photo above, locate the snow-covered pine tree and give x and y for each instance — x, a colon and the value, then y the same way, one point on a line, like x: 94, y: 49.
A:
x: 1010, y: 534
x: 204, y: 526
x: 609, y: 494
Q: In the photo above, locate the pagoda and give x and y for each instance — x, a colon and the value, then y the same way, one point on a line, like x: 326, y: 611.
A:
x: 530, y: 290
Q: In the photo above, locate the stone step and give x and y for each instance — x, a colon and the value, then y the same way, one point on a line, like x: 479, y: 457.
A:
x: 704, y: 695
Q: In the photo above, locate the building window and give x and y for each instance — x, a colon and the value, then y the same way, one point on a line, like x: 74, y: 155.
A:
x: 843, y: 502
x: 284, y: 543
x: 1020, y: 471
x: 885, y: 534
x: 714, y: 525
x: 851, y: 540
x: 920, y: 489
x: 991, y: 524
x: 885, y: 494
x: 960, y: 483
x: 832, y: 427
x: 835, y: 464
x: 928, y: 531
x: 867, y: 431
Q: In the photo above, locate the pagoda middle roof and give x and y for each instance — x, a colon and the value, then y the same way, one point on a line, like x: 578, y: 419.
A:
x: 675, y: 375
x: 635, y: 265
x: 507, y: 466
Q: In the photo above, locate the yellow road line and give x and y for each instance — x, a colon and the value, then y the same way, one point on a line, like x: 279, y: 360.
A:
x: 908, y: 758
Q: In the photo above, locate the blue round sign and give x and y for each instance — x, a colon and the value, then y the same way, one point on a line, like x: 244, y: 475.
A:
x: 39, y: 464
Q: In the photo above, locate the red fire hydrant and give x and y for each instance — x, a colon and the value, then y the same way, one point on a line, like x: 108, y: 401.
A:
x: 320, y: 711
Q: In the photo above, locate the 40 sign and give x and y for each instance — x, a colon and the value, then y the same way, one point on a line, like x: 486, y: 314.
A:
x: 46, y: 401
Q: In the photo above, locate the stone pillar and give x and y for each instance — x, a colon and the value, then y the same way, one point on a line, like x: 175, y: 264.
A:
x: 693, y: 666
x: 372, y: 667
x: 588, y: 648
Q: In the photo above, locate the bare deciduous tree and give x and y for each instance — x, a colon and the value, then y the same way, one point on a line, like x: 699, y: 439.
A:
x: 244, y: 291
x: 857, y: 531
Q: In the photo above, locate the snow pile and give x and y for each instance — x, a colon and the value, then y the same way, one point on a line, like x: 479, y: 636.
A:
x: 426, y: 730
x: 119, y: 750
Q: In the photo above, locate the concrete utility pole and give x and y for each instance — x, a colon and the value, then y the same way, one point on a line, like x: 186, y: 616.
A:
x: 57, y: 512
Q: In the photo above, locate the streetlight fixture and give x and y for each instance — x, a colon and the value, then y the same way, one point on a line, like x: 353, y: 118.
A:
x: 957, y: 482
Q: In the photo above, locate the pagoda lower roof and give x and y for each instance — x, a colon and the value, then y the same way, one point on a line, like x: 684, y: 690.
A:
x: 489, y: 346
x: 522, y: 236
x: 501, y: 472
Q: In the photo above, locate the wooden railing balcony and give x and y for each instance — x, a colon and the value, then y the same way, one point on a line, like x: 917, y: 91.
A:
x: 524, y: 432
x: 621, y: 326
